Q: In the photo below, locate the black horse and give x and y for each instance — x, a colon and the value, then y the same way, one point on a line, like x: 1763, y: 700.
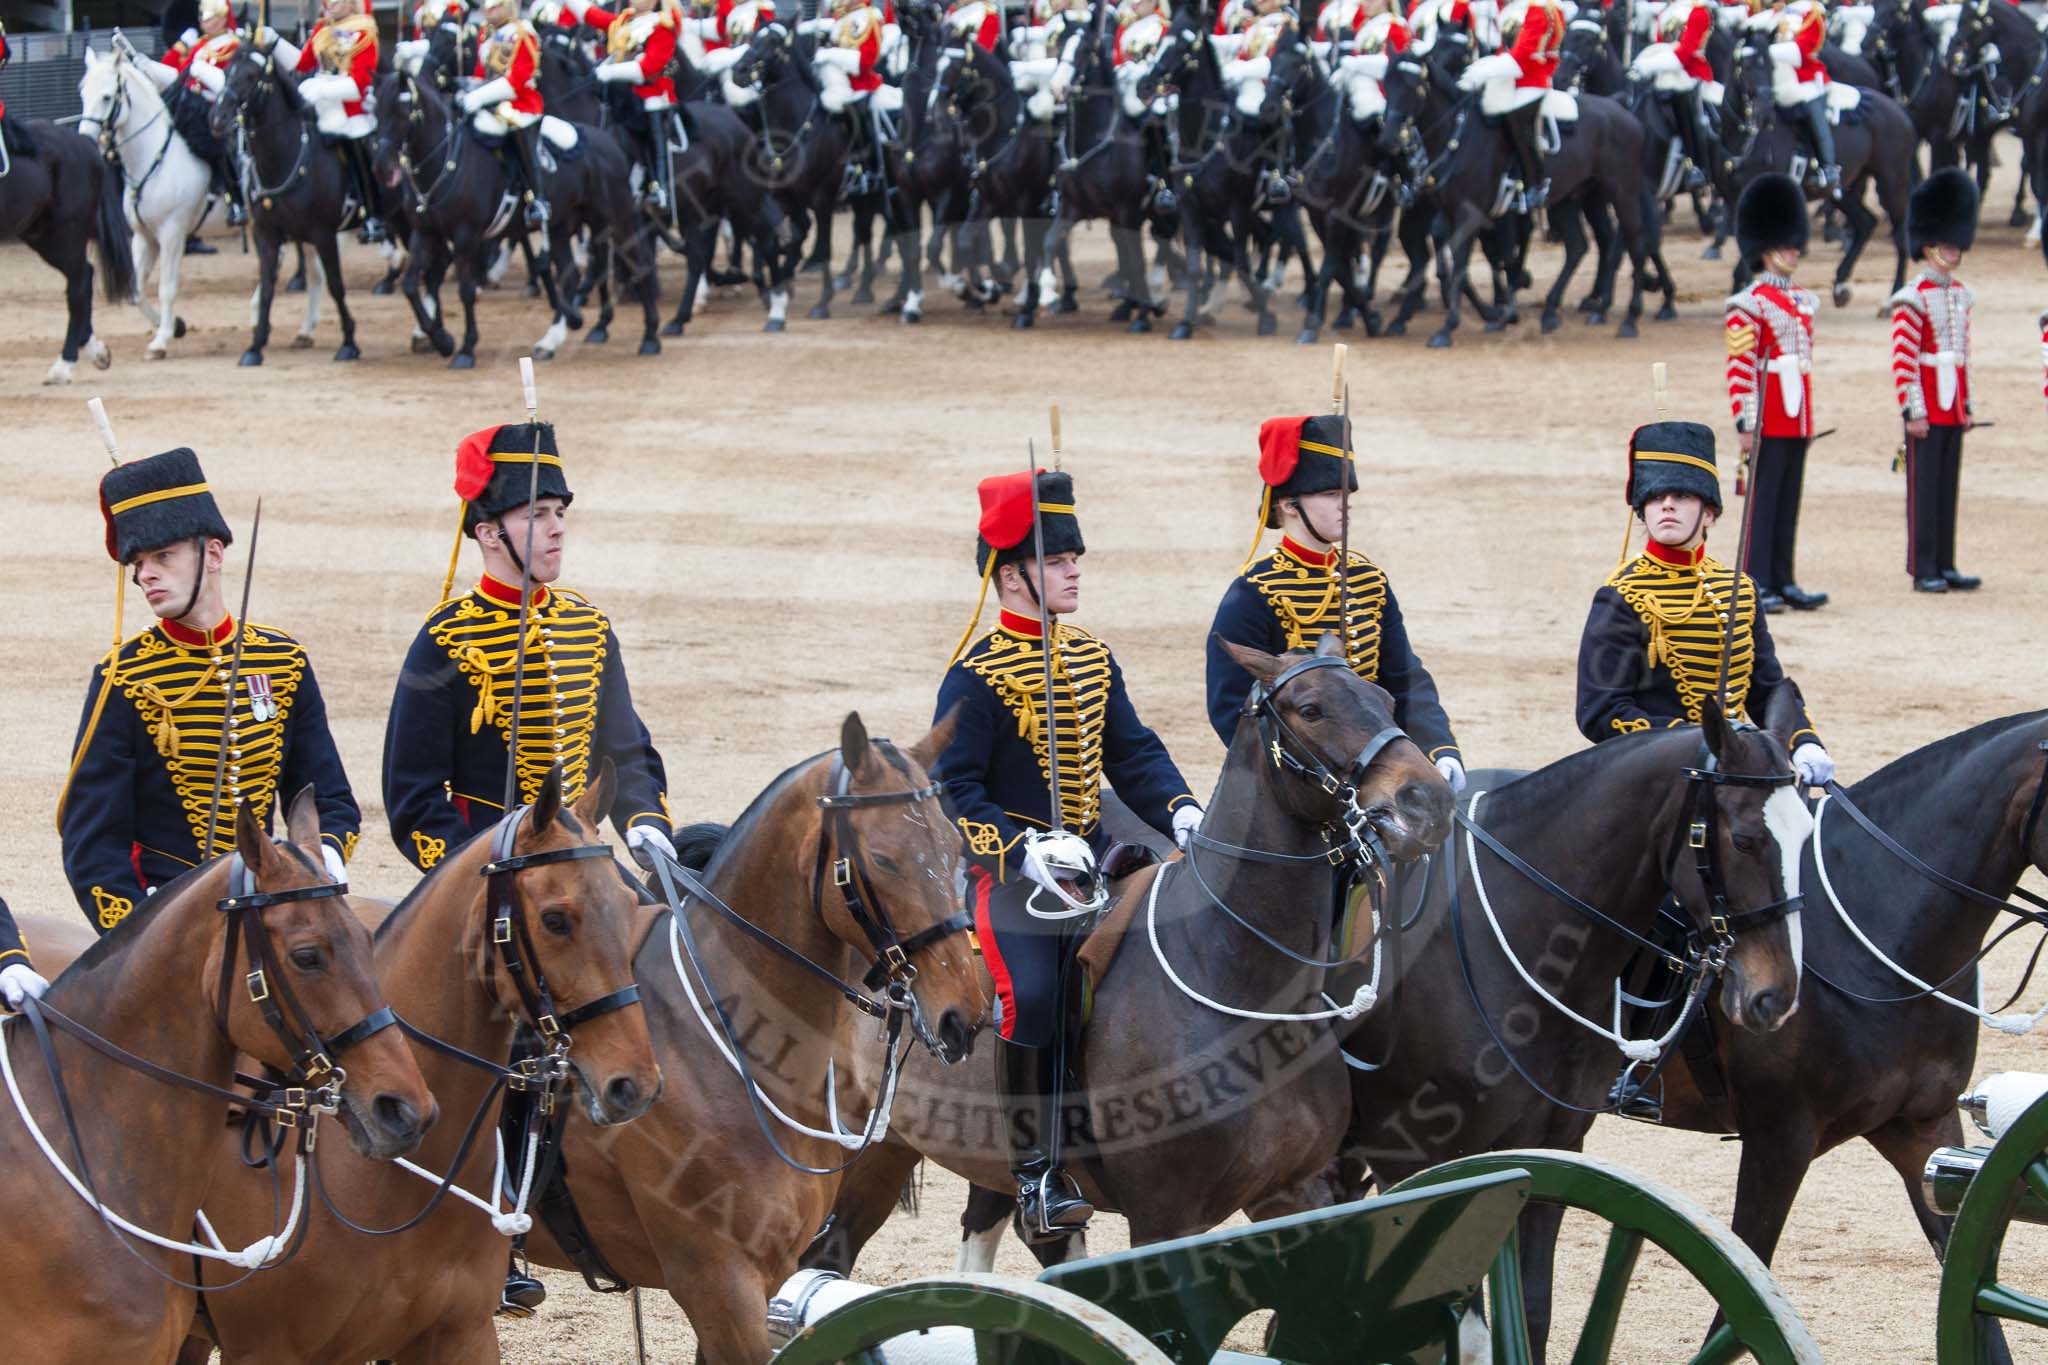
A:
x: 924, y: 166
x: 298, y: 190
x: 1220, y: 162
x: 1556, y: 878
x: 1876, y: 145
x: 1012, y: 168
x: 59, y: 198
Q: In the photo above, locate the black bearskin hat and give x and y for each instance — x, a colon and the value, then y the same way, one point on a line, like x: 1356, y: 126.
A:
x: 1942, y: 212
x: 1770, y: 215
x: 150, y: 503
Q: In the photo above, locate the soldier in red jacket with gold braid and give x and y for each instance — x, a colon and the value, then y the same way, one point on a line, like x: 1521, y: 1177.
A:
x: 340, y: 65
x: 1770, y: 380
x: 507, y: 104
x: 1931, y: 373
x: 1513, y: 85
x: 640, y: 47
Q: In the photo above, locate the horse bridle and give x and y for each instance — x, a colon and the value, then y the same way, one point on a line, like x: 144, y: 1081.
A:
x: 1273, y: 729
x: 1698, y: 830
x: 892, y: 969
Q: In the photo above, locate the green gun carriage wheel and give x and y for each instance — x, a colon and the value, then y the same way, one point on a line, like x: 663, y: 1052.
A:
x: 1973, y: 1301
x: 1760, y: 1321
x: 996, y: 1307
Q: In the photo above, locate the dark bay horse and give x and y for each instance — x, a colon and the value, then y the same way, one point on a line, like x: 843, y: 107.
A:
x: 284, y: 977
x: 451, y: 981
x: 1708, y: 816
x: 1012, y: 157
x: 1872, y: 1054
x: 1209, y: 1063
x: 714, y: 179
x: 298, y: 191
x: 924, y: 165
x: 60, y: 199
x: 846, y: 865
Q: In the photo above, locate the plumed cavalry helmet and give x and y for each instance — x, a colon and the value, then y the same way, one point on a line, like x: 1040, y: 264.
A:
x: 151, y: 503
x: 212, y: 9
x: 1942, y: 212
x: 1006, y: 523
x: 1672, y: 457
x: 1770, y: 216
x: 494, y: 472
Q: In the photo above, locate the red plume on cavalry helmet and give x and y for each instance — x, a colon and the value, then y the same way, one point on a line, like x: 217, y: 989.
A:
x: 493, y: 470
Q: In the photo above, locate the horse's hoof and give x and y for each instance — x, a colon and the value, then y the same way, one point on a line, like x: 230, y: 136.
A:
x: 1268, y: 324
x: 775, y: 325
x: 1667, y: 313
x: 1397, y: 328
x: 465, y: 361
x: 1023, y: 321
x: 598, y: 336
x: 543, y: 353
x: 1307, y: 336
x: 573, y: 320
x: 154, y: 352
x: 420, y: 345
x: 1551, y: 321
x: 60, y: 372
x: 1122, y: 312
x: 1372, y: 324
x: 1140, y: 325
x: 2020, y: 218
x: 1497, y: 323
x: 302, y: 342
x: 819, y: 313
x: 295, y: 285
x: 1524, y: 280
x: 348, y: 351
x: 1712, y: 253
x: 1597, y: 318
x: 912, y: 316
x: 177, y: 327
x: 381, y: 288
x: 863, y: 295
x: 1842, y: 293
x: 532, y: 289
x: 1066, y: 303
x: 1182, y: 331
x: 841, y: 283
x: 102, y: 356
x: 672, y: 328
x: 650, y: 346
x: 892, y: 307
x: 1439, y: 341
x: 250, y: 357
x: 1627, y: 330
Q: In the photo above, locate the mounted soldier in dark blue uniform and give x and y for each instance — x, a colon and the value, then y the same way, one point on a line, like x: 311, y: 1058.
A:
x: 18, y: 977
x: 1290, y: 598
x: 134, y: 812
x: 1023, y: 781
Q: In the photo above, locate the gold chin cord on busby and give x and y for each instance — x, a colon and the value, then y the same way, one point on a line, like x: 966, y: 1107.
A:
x: 105, y: 428
x: 525, y: 587
x: 1340, y: 404
x: 227, y: 713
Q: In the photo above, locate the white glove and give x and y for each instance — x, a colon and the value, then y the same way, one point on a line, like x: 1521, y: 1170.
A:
x: 208, y: 75
x: 164, y: 74
x: 1062, y: 81
x: 845, y: 58
x: 1454, y: 773
x: 490, y: 92
x: 641, y: 838
x: 1186, y: 820
x: 190, y: 37
x: 614, y: 72
x: 336, y: 868
x: 1785, y: 54
x: 1498, y: 67
x: 284, y: 54
x: 1070, y: 852
x: 1813, y: 765
x: 18, y: 981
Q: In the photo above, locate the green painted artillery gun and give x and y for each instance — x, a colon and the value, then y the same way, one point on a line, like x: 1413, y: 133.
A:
x: 1986, y: 1190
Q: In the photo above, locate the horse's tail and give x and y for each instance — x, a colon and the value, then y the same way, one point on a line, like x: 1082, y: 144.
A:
x: 912, y: 1193
x: 696, y: 843
x: 110, y: 231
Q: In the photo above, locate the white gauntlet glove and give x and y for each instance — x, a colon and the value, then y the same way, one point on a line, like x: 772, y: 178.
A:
x: 1454, y: 773
x: 1813, y: 765
x: 1186, y: 820
x: 337, y: 870
x: 18, y: 981
x: 1056, y: 861
x: 618, y: 71
x: 642, y: 838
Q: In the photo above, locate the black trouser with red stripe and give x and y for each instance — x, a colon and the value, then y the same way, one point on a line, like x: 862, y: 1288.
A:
x: 1934, y: 467
x: 1026, y: 957
x: 1777, y: 476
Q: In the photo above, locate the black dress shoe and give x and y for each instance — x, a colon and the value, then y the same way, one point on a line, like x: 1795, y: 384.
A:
x: 194, y: 246
x: 1799, y: 599
x: 1930, y: 585
x: 1961, y: 582
x: 1771, y: 602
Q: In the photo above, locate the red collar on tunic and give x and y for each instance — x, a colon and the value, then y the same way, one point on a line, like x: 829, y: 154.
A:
x: 1677, y: 559
x: 1320, y: 559
x: 507, y: 594
x: 196, y: 639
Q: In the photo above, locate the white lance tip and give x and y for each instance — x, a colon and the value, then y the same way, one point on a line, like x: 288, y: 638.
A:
x: 526, y: 383
x: 1337, y: 375
x: 98, y: 410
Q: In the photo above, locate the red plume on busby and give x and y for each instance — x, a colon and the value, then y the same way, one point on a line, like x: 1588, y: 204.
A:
x: 473, y: 466
x: 149, y: 503
x: 1005, y: 525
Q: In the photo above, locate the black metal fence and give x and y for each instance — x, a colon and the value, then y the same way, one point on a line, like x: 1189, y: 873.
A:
x: 41, y: 81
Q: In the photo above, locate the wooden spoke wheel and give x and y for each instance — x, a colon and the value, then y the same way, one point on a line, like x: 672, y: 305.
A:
x: 1000, y: 1311
x: 1973, y: 1301
x: 1759, y: 1322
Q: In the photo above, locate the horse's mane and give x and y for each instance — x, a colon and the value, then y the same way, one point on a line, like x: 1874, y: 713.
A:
x: 116, y: 938
x: 1546, y: 786
x: 399, y: 912
x: 1907, y: 778
x: 742, y: 828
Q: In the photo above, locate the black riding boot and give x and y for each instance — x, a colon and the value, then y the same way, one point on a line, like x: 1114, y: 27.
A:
x: 655, y: 191
x: 1158, y: 171
x: 1692, y: 127
x: 1048, y: 1201
x: 1522, y: 131
x: 526, y: 143
x: 365, y: 176
x: 1823, y: 135
x: 227, y: 176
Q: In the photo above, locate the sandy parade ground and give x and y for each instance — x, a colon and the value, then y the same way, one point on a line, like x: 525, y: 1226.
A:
x: 781, y: 528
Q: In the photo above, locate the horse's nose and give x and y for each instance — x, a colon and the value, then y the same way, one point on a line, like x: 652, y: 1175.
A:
x: 1768, y: 1008
x: 1426, y: 806
x: 402, y: 1125
x: 622, y: 1095
x: 956, y: 1039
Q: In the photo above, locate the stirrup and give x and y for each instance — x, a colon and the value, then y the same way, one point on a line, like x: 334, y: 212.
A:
x: 1034, y: 1211
x: 1631, y: 1101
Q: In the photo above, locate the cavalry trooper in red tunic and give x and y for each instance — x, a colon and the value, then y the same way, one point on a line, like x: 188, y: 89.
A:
x: 1028, y: 880
x: 18, y: 977
x: 507, y: 104
x: 640, y: 45
x: 1931, y: 373
x: 1513, y: 84
x: 340, y: 62
x: 1288, y: 599
x: 1770, y: 381
x: 193, y: 71
x: 134, y: 811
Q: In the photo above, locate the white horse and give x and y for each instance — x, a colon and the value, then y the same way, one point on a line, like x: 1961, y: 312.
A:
x: 166, y: 185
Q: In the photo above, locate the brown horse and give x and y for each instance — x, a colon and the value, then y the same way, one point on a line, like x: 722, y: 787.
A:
x: 284, y: 976
x: 1210, y: 1063
x: 845, y: 865
x: 452, y: 983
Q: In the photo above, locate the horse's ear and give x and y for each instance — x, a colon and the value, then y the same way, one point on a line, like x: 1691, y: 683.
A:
x: 250, y: 840
x: 927, y: 750
x: 597, y: 797
x: 1785, y: 715
x: 853, y: 744
x: 1257, y: 662
x: 1713, y: 726
x: 302, y: 822
x: 548, y: 804
x: 1330, y: 646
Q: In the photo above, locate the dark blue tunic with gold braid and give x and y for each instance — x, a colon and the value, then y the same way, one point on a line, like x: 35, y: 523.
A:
x: 451, y: 719
x: 13, y: 947
x: 996, y: 769
x: 1288, y: 600
x: 1651, y: 652
x: 134, y: 813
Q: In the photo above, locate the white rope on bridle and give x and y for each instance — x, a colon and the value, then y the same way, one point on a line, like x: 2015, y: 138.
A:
x: 873, y: 1130
x: 513, y: 1222
x: 1362, y: 999
x: 2004, y: 1023
x: 1635, y: 1049
x: 252, y: 1257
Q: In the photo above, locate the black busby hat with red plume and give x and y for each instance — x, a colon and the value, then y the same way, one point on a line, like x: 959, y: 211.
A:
x: 150, y: 503
x: 493, y: 470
